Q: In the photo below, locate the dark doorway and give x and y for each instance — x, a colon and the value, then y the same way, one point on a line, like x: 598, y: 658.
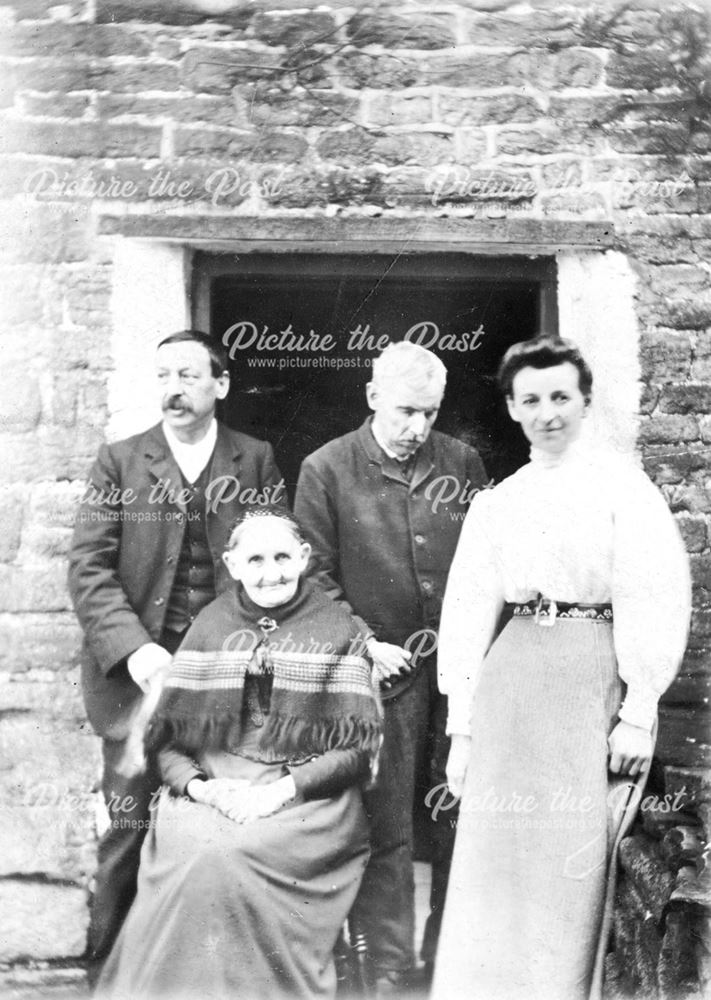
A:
x: 302, y: 330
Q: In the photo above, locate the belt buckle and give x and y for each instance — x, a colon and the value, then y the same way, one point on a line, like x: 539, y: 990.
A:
x: 549, y: 620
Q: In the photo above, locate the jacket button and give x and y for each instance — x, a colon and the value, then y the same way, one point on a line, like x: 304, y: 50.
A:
x: 158, y: 601
x: 420, y: 539
x: 426, y: 585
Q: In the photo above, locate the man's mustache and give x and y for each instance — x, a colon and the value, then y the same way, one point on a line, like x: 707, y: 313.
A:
x: 176, y: 400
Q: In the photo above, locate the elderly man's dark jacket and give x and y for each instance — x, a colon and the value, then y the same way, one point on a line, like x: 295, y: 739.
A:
x: 127, y: 541
x: 381, y: 544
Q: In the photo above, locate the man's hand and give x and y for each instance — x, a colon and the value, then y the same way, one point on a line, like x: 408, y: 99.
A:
x: 457, y: 763
x: 388, y: 660
x: 630, y: 749
x: 147, y: 661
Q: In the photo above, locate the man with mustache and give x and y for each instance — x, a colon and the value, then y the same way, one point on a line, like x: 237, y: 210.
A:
x: 383, y: 539
x: 146, y: 557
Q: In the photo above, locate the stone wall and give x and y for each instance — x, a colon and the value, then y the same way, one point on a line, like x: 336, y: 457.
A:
x: 482, y: 110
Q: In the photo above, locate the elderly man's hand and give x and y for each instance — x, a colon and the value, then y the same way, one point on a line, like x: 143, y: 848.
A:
x: 388, y: 660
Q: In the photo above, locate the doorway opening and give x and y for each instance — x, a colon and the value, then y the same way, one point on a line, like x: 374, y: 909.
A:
x: 302, y: 331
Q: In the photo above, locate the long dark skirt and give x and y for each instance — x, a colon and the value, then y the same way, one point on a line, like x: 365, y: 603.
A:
x: 527, y: 915
x: 241, y: 911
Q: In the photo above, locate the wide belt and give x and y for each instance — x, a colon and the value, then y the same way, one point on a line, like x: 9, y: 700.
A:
x: 545, y: 611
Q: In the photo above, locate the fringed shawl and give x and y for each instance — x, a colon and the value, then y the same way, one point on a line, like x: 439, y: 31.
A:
x: 322, y: 696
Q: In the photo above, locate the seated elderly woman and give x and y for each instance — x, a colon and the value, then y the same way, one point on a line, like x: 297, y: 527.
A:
x: 265, y: 730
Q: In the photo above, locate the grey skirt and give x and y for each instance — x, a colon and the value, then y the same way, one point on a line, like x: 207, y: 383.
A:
x: 531, y: 888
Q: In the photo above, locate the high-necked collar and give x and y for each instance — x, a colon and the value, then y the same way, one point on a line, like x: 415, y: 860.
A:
x: 553, y: 460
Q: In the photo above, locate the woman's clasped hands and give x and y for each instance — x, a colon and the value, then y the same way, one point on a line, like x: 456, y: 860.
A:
x: 240, y: 800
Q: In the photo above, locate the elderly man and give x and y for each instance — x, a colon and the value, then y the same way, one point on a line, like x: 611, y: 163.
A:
x: 383, y: 507
x: 145, y: 559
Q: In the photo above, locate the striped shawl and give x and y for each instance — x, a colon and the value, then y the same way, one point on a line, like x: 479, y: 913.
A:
x: 322, y: 694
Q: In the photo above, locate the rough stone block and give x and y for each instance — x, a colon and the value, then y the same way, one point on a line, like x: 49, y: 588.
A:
x: 701, y: 571
x: 677, y: 280
x: 51, y: 766
x: 62, y: 76
x: 462, y: 67
x: 130, y: 77
x: 213, y: 110
x: 380, y: 71
x: 694, y: 531
x: 460, y: 109
x: 33, y: 641
x: 19, y: 294
x: 658, y: 138
x: 399, y: 109
x: 53, y: 106
x: 669, y: 429
x: 540, y: 140
x: 59, y: 40
x: 471, y: 145
x: 20, y: 405
x: 687, y: 398
x: 13, y: 500
x: 545, y: 29
x: 562, y: 174
x: 34, y: 588
x: 425, y: 31
x: 669, y: 465
x: 178, y: 12
x: 645, y: 70
x: 350, y: 145
x: 454, y: 184
x: 293, y: 187
x: 84, y: 139
x: 407, y: 187
x: 212, y: 70
x: 658, y: 240
x: 41, y: 921
x: 666, y: 355
x: 577, y: 68
x: 586, y: 203
x: 294, y: 29
x: 269, y: 107
x: 262, y: 147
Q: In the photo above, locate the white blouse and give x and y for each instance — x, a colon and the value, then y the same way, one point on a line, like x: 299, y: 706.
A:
x: 586, y: 527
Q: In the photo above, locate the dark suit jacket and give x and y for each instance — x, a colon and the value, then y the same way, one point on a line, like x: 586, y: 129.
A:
x: 127, y: 540
x: 380, y: 544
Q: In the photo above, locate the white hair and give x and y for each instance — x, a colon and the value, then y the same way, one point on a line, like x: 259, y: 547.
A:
x: 410, y: 363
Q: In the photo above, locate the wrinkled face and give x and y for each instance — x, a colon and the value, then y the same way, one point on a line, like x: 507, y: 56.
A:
x: 269, y: 560
x: 549, y: 405
x: 403, y: 413
x: 188, y: 389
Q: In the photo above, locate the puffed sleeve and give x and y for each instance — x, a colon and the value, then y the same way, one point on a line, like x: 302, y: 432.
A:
x: 651, y: 596
x: 472, y: 604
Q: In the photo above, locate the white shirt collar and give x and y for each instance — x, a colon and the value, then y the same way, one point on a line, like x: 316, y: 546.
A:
x: 388, y: 451
x: 192, y: 458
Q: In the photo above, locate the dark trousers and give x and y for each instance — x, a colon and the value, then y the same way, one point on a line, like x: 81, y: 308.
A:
x: 412, y: 763
x: 127, y: 800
